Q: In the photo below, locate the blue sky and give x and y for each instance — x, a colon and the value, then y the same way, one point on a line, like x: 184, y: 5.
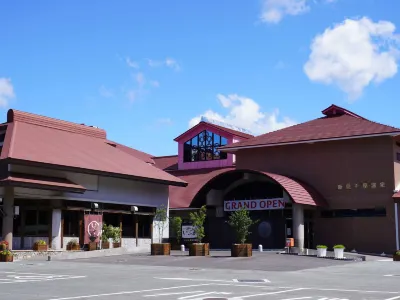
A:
x: 146, y: 70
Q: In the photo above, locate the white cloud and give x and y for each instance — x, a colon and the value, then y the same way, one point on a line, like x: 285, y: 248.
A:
x: 164, y: 122
x: 354, y: 54
x: 168, y: 62
x: 274, y: 10
x: 131, y: 63
x: 105, y: 92
x: 139, y: 78
x: 155, y: 83
x: 6, y: 91
x: 246, y: 113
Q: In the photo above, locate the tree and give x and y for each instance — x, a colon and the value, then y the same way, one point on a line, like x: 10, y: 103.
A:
x: 198, y: 219
x: 161, y: 217
x: 240, y: 221
x: 176, y: 224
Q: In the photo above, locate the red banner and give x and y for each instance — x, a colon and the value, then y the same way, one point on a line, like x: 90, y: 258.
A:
x: 93, y: 227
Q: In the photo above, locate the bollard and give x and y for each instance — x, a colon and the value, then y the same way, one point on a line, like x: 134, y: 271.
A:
x: 49, y: 258
x: 260, y: 248
x: 182, y: 248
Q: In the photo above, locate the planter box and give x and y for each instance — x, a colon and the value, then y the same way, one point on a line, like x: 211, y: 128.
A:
x: 321, y: 252
x: 73, y: 247
x: 92, y: 246
x: 105, y: 245
x: 6, y: 258
x: 37, y: 247
x: 242, y: 250
x: 116, y: 245
x: 396, y: 257
x: 339, y: 253
x: 161, y: 249
x: 197, y: 249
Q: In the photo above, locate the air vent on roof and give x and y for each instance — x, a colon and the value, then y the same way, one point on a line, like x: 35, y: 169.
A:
x: 226, y: 125
x: 111, y: 144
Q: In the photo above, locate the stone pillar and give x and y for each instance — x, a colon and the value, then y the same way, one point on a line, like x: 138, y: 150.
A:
x: 56, y: 229
x: 8, y: 218
x: 298, y: 225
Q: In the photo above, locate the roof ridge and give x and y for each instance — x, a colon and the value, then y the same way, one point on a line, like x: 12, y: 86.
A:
x: 39, y: 120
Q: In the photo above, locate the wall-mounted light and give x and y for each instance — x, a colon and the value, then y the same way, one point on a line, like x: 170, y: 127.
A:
x: 134, y: 209
x: 16, y: 210
x: 95, y: 205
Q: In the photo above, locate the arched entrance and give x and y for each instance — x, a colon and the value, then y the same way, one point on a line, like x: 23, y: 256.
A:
x: 282, y: 206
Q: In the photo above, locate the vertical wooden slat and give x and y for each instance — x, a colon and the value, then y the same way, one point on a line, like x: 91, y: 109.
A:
x: 62, y: 230
x: 23, y: 216
x: 151, y: 229
x: 81, y: 241
x: 136, y: 230
x: 120, y: 227
x: 50, y: 227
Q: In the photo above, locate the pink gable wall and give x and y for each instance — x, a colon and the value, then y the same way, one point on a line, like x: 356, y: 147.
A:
x: 209, y: 163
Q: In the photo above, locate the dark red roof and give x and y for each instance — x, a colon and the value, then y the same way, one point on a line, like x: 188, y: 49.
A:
x: 32, y: 139
x: 136, y: 153
x: 396, y: 195
x: 166, y: 163
x: 41, y: 182
x: 337, y: 123
x: 224, y: 129
x: 300, y: 192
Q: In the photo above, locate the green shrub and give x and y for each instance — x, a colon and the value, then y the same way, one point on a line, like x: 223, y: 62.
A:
x: 73, y: 243
x: 322, y: 247
x: 339, y: 247
x: 241, y: 221
x: 40, y: 242
x: 6, y: 253
x: 198, y: 219
x: 176, y: 224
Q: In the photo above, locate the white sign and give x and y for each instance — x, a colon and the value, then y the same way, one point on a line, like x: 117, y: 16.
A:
x: 266, y: 204
x: 188, y: 232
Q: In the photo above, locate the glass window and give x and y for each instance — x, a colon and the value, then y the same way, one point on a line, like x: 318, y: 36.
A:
x: 145, y: 223
x: 37, y: 222
x: 71, y: 223
x: 204, y: 147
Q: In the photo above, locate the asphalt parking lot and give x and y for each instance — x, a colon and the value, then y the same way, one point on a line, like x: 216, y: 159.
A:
x: 193, y: 278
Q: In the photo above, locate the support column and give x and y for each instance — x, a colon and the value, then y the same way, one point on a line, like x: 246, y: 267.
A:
x: 8, y: 218
x: 56, y: 229
x: 298, y: 225
x: 396, y: 220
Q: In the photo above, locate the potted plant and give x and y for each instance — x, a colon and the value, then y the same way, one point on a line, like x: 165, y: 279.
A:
x: 116, y: 236
x: 241, y: 221
x: 92, y: 244
x: 73, y: 245
x: 3, y: 245
x: 176, y: 225
x: 321, y: 250
x: 105, y: 236
x: 40, y: 245
x: 6, y: 256
x: 396, y: 256
x: 160, y: 218
x: 339, y: 251
x: 199, y: 248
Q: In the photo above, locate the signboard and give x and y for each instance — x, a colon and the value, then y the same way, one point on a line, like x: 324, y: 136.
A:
x: 266, y: 204
x: 93, y: 227
x: 188, y: 231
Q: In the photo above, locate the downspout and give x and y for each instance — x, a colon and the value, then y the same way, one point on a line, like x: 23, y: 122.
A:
x: 396, y: 218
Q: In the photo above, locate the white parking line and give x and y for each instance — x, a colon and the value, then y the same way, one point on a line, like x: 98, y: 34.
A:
x: 129, y: 292
x: 169, y: 294
x: 265, y: 294
x: 393, y: 298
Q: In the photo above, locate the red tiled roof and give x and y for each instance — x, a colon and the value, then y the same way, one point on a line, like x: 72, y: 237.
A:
x: 300, y: 192
x: 166, y: 162
x: 41, y: 182
x: 41, y: 140
x: 224, y: 129
x: 337, y: 123
x: 396, y: 195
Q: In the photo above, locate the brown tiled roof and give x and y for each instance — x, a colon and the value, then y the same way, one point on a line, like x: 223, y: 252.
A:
x: 224, y: 129
x: 136, y: 153
x: 337, y: 123
x: 41, y: 182
x: 300, y: 192
x: 166, y: 163
x: 38, y: 140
